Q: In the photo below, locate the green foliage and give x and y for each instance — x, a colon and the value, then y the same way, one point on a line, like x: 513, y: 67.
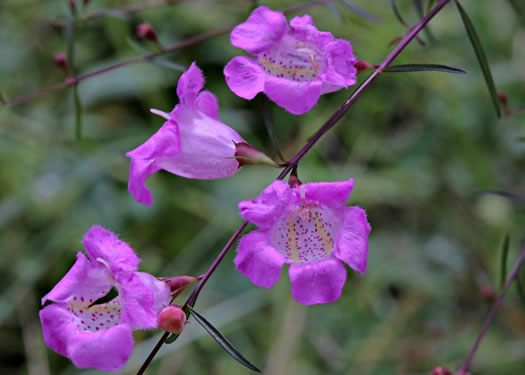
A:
x: 419, y: 146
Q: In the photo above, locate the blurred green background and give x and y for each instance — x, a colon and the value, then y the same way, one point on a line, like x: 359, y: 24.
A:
x: 420, y: 145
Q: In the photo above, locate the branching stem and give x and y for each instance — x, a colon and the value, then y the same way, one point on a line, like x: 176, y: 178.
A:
x: 295, y: 161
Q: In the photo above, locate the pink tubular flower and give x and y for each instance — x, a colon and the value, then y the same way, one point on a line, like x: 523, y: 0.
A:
x: 99, y: 335
x: 192, y: 143
x: 309, y: 228
x: 294, y: 66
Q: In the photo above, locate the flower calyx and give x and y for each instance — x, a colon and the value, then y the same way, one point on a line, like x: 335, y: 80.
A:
x: 246, y: 154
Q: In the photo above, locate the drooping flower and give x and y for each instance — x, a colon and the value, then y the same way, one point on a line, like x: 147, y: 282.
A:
x: 309, y: 228
x: 93, y: 333
x: 192, y: 143
x: 294, y: 64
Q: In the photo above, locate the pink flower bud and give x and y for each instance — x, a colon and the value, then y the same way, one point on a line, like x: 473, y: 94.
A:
x: 146, y: 31
x: 61, y: 61
x: 488, y: 294
x: 440, y: 370
x: 363, y: 66
x: 246, y: 154
x: 179, y: 283
x: 172, y: 319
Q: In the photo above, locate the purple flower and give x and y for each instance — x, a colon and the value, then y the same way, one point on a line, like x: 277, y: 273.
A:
x: 294, y: 65
x: 192, y: 143
x: 309, y: 228
x: 99, y: 335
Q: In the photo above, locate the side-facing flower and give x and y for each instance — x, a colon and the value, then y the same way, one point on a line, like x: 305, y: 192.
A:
x: 294, y: 64
x: 309, y: 228
x: 192, y: 143
x: 93, y: 333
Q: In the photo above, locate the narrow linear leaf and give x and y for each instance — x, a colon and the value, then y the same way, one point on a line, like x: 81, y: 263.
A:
x: 521, y: 289
x: 503, y: 260
x: 361, y: 12
x: 333, y: 8
x: 503, y: 194
x: 168, y: 64
x: 430, y: 3
x: 78, y: 113
x: 418, y: 4
x: 423, y: 67
x: 219, y: 337
x: 480, y: 54
x: 2, y: 99
x: 171, y: 338
x: 520, y: 9
x: 397, y: 14
x: 269, y: 126
x: 521, y: 139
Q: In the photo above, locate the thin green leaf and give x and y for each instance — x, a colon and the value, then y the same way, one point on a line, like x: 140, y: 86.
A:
x: 2, y: 99
x: 361, y: 12
x: 480, y: 54
x: 521, y: 139
x: 503, y: 194
x: 269, y: 126
x: 520, y: 9
x: 335, y: 11
x: 430, y: 3
x: 503, y: 260
x: 78, y: 113
x: 418, y: 4
x: 168, y: 64
x: 521, y: 289
x: 423, y: 67
x: 397, y: 14
x: 219, y: 337
x: 171, y: 338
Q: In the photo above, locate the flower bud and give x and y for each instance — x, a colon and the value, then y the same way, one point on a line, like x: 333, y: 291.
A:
x: 440, y: 370
x: 73, y: 6
x: 488, y: 294
x: 146, y: 31
x: 61, y: 61
x: 246, y: 154
x: 363, y: 66
x: 172, y: 319
x: 179, y: 283
x: 503, y: 100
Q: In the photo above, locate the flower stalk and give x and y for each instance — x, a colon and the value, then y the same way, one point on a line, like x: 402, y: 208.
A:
x: 295, y: 160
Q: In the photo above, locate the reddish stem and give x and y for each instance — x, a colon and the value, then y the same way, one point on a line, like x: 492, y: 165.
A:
x: 293, y: 163
x: 492, y: 313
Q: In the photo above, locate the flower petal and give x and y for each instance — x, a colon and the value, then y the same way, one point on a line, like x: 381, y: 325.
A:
x: 244, y: 77
x: 319, y: 282
x: 295, y: 97
x: 352, y: 242
x: 331, y: 194
x: 264, y: 210
x: 57, y: 327
x: 85, y: 280
x: 190, y: 83
x: 341, y: 71
x: 258, y: 260
x: 164, y: 143
x: 139, y: 171
x: 260, y: 32
x: 207, y: 103
x: 207, y: 147
x: 106, y: 350
x: 101, y: 243
x: 161, y: 291
x: 137, y: 300
x: 303, y: 28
